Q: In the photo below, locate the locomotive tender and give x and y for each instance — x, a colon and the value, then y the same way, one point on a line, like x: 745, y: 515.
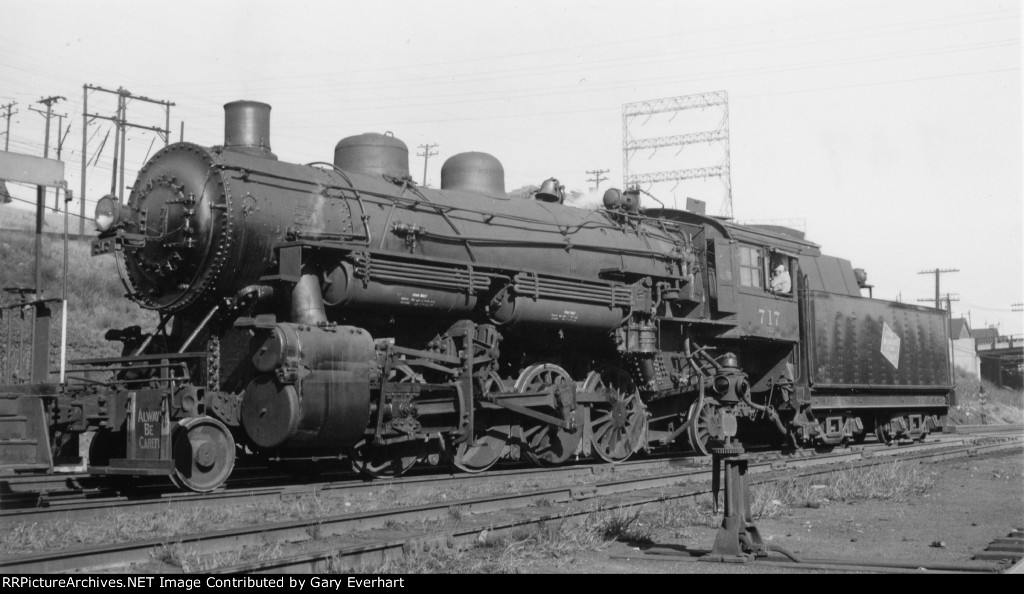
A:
x: 339, y: 310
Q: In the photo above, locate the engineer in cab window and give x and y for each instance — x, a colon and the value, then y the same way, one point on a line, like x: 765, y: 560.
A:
x: 780, y: 282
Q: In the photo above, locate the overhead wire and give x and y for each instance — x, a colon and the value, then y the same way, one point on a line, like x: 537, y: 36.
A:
x: 563, y: 89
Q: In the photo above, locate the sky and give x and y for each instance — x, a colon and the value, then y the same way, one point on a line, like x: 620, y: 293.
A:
x: 889, y: 130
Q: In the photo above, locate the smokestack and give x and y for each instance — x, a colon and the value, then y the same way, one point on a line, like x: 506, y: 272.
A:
x: 247, y: 128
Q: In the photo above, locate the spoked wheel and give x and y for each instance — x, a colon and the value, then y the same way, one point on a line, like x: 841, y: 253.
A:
x: 383, y: 461
x: 619, y: 424
x: 548, y: 444
x: 705, y: 424
x: 203, y: 452
x: 490, y: 445
x: 485, y: 451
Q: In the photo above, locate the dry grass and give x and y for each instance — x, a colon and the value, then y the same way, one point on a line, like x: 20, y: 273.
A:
x: 60, y: 534
x: 189, y: 560
x: 563, y: 540
x: 96, y: 296
x: 182, y: 518
x: 982, y: 402
x: 894, y: 482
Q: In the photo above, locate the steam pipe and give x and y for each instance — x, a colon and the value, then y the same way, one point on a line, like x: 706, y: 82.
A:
x: 686, y: 424
x: 308, y: 301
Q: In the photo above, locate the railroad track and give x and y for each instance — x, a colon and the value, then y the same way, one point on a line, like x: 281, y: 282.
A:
x: 350, y: 539
x: 84, y: 505
x: 63, y: 483
x: 92, y: 499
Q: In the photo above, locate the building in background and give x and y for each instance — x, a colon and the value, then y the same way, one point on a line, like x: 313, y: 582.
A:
x: 1002, y: 357
x: 962, y: 347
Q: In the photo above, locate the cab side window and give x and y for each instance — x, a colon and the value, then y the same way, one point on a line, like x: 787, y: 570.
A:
x: 751, y: 267
x: 780, y: 282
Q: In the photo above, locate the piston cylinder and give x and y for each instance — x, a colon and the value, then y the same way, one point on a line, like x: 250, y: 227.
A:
x: 314, y: 392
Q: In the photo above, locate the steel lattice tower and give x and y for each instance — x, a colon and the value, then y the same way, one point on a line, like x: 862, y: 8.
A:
x: 718, y: 136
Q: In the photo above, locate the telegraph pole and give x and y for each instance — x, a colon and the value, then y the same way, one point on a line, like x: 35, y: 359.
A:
x: 937, y: 272
x: 85, y: 149
x: 8, y: 114
x: 426, y: 154
x: 48, y: 114
x: 60, y: 147
x: 597, y: 177
x: 41, y: 192
x: 948, y: 298
x: 122, y: 124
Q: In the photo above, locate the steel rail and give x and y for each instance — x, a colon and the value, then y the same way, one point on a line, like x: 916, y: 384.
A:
x: 831, y: 565
x: 79, y: 481
x: 233, y: 539
x: 90, y: 501
x: 168, y: 497
x: 381, y: 549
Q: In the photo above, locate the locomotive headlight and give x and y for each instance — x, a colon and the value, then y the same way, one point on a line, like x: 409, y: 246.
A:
x: 721, y: 385
x: 110, y: 214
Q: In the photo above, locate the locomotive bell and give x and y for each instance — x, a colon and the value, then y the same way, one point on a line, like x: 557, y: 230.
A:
x: 551, y: 191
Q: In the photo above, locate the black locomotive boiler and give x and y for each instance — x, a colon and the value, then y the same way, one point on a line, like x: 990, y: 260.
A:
x: 338, y: 309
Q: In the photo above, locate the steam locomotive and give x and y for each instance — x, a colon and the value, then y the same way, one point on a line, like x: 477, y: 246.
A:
x: 339, y: 310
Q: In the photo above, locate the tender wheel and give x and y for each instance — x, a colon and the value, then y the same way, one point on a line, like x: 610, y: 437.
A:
x: 547, y: 444
x: 618, y: 425
x: 884, y: 433
x: 203, y: 452
x: 375, y: 461
x: 490, y: 445
x: 705, y: 424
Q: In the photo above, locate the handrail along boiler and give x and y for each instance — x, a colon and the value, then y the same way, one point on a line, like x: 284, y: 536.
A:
x: 339, y: 310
